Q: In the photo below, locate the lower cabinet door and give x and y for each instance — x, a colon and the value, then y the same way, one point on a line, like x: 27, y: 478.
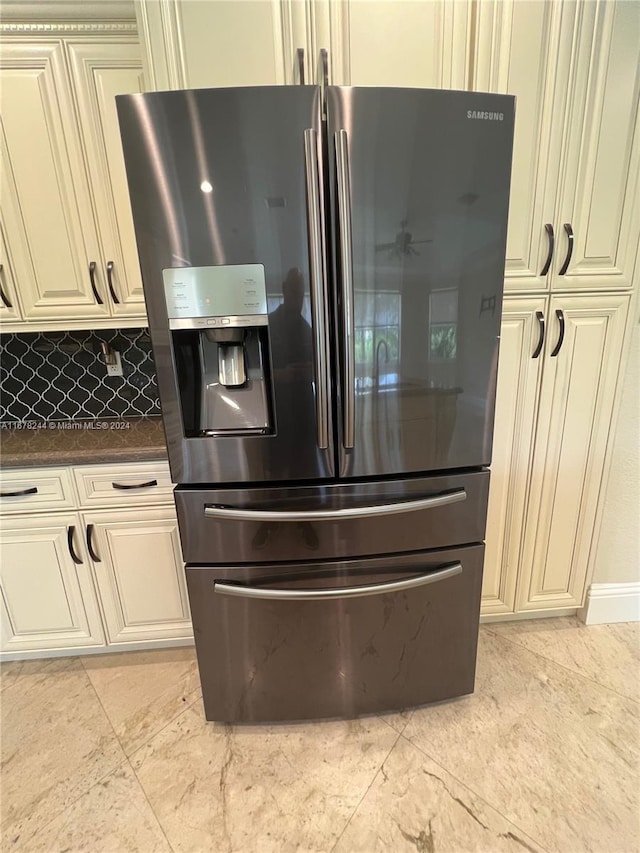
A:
x: 338, y: 638
x: 48, y: 598
x: 582, y: 356
x: 139, y: 572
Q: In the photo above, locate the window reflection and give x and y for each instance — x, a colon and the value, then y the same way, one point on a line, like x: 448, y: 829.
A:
x: 443, y: 324
x: 377, y: 337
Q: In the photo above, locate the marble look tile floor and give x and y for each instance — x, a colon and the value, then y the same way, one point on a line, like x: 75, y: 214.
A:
x: 112, y: 754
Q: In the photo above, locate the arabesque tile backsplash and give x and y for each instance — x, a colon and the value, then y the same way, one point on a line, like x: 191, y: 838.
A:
x: 56, y: 376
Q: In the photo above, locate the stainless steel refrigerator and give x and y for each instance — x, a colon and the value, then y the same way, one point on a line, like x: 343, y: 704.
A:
x: 324, y: 299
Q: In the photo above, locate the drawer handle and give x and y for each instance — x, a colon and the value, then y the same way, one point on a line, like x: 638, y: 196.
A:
x: 20, y: 493
x: 90, y: 548
x: 333, y: 592
x: 135, y: 485
x: 74, y: 556
x: 335, y: 514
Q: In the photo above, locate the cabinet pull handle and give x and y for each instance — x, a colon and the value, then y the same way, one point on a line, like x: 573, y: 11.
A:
x: 336, y: 592
x: 552, y: 241
x: 300, y: 55
x: 92, y: 279
x: 90, y: 548
x: 538, y: 349
x: 324, y: 64
x: 569, y: 231
x: 114, y: 295
x: 556, y: 349
x: 5, y: 299
x: 135, y: 485
x: 32, y: 490
x: 70, y: 531
x: 324, y: 61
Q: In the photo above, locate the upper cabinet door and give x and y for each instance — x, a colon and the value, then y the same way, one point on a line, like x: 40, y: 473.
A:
x: 523, y: 47
x: 194, y: 44
x: 46, y: 206
x: 100, y: 71
x: 599, y: 195
x: 396, y: 43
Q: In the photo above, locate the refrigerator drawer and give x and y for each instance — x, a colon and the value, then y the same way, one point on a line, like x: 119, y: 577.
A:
x: 341, y: 520
x: 336, y: 639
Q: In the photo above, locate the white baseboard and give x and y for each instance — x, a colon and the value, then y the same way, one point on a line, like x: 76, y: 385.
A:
x: 611, y: 602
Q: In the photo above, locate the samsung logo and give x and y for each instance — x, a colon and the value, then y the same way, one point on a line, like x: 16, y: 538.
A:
x: 485, y: 115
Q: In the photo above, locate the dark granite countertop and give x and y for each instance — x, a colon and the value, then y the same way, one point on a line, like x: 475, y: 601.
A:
x: 129, y: 440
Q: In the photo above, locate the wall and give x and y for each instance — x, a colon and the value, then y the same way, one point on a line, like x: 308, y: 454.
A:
x: 54, y: 376
x: 618, y: 555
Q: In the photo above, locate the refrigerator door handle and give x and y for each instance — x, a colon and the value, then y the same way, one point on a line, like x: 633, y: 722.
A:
x: 335, y: 514
x: 346, y: 266
x: 318, y: 286
x: 337, y: 592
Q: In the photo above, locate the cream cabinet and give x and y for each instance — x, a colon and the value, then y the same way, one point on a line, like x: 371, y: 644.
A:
x: 64, y: 206
x: 193, y: 44
x: 48, y: 597
x: 574, y: 418
x: 46, y: 212
x: 573, y: 219
x: 100, y: 71
x: 559, y: 365
x: 138, y: 568
x: 367, y: 42
x: 102, y: 569
x: 392, y: 43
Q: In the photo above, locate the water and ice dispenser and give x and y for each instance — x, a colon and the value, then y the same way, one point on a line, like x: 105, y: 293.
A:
x: 219, y: 323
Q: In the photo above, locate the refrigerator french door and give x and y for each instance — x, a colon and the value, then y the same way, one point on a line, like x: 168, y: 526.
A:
x: 383, y: 305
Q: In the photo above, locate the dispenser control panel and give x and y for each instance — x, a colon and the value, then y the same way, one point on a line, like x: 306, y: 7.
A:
x: 200, y: 297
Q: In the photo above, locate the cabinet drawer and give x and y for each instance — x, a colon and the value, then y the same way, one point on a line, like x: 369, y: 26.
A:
x: 136, y: 483
x: 36, y: 489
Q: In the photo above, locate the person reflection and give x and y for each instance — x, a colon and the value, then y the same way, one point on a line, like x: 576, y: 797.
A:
x: 292, y: 360
x: 291, y: 344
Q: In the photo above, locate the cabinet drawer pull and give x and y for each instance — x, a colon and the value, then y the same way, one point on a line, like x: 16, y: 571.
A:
x: 300, y: 56
x: 112, y: 291
x: 556, y: 349
x: 336, y: 592
x: 33, y: 490
x: 92, y: 279
x: 135, y: 485
x: 70, y: 531
x: 569, y: 231
x: 90, y: 548
x: 5, y: 299
x: 538, y: 349
x: 549, y: 229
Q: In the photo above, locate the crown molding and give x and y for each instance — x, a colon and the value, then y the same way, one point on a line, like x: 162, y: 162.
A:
x: 60, y: 28
x: 67, y: 16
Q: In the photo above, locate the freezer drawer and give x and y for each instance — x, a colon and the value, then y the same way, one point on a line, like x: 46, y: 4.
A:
x: 320, y: 523
x: 336, y: 639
